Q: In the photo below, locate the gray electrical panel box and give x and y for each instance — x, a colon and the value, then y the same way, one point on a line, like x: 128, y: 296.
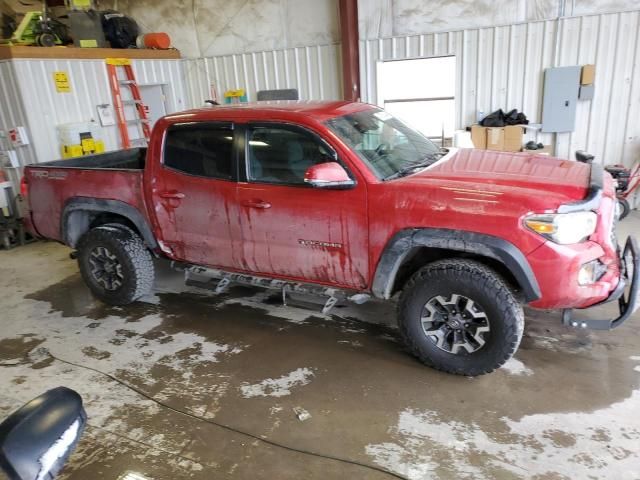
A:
x: 586, y: 92
x: 561, y: 89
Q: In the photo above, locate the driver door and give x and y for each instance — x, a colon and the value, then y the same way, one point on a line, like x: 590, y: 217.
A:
x: 291, y: 229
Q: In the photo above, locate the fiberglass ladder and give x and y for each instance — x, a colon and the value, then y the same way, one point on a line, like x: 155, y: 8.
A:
x: 129, y: 81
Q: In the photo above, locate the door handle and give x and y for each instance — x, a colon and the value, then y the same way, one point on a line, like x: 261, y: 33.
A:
x: 257, y: 204
x: 172, y: 194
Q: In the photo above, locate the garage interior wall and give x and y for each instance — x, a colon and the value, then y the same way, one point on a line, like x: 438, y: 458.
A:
x: 35, y: 103
x: 498, y: 66
x: 314, y: 71
x: 13, y: 114
x: 392, y: 18
x: 502, y: 67
x: 212, y: 28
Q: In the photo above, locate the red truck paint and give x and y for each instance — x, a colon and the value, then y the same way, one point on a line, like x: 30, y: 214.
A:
x: 50, y: 188
x: 336, y: 237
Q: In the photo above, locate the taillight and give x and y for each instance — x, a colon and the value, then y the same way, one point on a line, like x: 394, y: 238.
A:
x: 24, y: 186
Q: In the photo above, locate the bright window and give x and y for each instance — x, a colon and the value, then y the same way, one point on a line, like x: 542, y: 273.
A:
x: 422, y: 93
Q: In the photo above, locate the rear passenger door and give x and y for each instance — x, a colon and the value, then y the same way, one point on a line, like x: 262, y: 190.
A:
x: 195, y: 193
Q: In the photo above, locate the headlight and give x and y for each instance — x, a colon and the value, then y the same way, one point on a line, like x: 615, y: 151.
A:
x: 563, y: 228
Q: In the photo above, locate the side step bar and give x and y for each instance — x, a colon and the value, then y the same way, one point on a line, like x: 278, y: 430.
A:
x: 218, y: 281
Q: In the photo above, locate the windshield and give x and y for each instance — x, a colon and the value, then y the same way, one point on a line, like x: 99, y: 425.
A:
x: 384, y: 143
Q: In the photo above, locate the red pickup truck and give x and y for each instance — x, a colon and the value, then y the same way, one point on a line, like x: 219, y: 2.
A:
x: 343, y: 200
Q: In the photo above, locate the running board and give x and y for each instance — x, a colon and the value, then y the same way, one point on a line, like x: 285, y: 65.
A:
x: 218, y: 281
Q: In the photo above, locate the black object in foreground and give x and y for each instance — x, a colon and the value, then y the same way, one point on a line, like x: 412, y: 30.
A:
x: 37, y: 439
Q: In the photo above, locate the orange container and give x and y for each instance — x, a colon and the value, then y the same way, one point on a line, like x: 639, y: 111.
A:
x: 158, y: 40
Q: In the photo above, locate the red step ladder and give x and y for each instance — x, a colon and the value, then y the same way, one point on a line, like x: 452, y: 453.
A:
x: 129, y: 81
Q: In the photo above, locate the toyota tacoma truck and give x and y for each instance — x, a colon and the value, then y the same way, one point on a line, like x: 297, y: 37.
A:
x: 343, y: 200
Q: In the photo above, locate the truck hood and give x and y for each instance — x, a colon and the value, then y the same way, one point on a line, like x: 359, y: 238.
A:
x: 550, y: 181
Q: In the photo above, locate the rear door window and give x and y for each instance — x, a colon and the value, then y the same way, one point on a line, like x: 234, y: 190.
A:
x: 200, y: 149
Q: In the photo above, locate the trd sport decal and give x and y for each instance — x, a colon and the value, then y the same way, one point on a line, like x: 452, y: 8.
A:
x: 317, y: 243
x: 51, y: 175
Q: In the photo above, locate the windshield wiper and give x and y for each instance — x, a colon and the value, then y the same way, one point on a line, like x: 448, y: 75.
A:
x: 425, y: 162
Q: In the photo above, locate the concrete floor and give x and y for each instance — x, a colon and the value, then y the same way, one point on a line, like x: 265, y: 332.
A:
x: 566, y: 407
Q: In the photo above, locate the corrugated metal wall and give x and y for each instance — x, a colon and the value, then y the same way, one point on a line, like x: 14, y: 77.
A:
x: 12, y: 114
x: 34, y: 102
x: 314, y: 71
x: 45, y: 108
x: 502, y: 67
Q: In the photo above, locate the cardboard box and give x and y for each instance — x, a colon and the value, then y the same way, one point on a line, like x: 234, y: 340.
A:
x: 588, y: 74
x: 501, y: 139
x: 513, y: 138
x: 495, y: 138
x: 479, y: 136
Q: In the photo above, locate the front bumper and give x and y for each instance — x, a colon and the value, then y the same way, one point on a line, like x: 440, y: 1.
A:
x: 627, y: 293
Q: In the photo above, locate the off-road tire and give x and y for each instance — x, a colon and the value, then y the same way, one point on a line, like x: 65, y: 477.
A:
x: 135, y: 260
x: 487, y: 289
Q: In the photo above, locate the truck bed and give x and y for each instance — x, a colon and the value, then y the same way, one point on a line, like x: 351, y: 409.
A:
x: 115, y: 176
x: 131, y: 159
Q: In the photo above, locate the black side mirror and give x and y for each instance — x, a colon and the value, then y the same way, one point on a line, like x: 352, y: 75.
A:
x: 36, y: 440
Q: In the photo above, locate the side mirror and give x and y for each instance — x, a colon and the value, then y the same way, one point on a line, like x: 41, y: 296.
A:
x: 328, y: 175
x: 36, y: 440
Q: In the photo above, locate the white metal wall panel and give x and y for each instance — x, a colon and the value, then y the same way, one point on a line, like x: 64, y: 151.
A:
x: 12, y: 114
x: 314, y: 71
x: 503, y: 67
x: 46, y: 108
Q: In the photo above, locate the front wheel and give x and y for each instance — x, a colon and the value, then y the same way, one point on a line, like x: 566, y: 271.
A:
x: 460, y: 317
x: 115, y: 264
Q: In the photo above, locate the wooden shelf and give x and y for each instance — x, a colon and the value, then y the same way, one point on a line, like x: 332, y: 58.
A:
x: 73, y: 53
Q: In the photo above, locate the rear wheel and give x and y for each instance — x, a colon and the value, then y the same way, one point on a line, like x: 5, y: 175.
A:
x: 115, y: 264
x: 460, y: 317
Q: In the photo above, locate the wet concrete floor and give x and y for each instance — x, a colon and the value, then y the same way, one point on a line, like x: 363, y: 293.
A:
x: 221, y: 376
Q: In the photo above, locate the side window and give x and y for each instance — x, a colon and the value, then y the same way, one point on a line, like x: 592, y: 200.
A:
x: 282, y: 155
x: 200, y: 149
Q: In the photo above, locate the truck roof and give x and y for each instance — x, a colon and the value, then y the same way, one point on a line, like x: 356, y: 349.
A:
x: 320, y: 110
